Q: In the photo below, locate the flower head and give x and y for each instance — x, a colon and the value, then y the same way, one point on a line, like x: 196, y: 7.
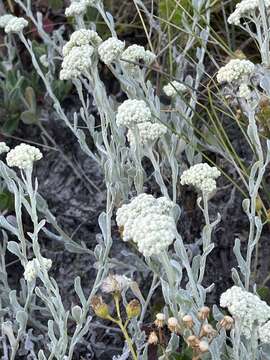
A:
x: 23, y: 156
x: 132, y: 112
x: 148, y: 133
x: 78, y: 60
x: 173, y: 88
x: 160, y: 320
x: 235, y: 71
x: 264, y: 333
x: 243, y: 9
x: 15, y: 25
x: 115, y: 283
x: 202, y: 177
x: 246, y: 307
x: 244, y: 91
x: 111, y: 50
x: 136, y: 54
x: 4, y: 19
x: 33, y: 268
x: 4, y: 148
x: 79, y: 7
x: 81, y: 37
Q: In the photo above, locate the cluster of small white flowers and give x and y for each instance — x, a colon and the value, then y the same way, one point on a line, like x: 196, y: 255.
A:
x: 148, y: 222
x: 4, y: 19
x: 14, y: 24
x: 174, y: 88
x: 264, y: 333
x: 3, y: 148
x: 81, y: 37
x: 202, y: 177
x: 132, y: 112
x: 111, y: 50
x: 136, y: 54
x: 76, y: 62
x: 248, y: 308
x: 23, y: 156
x: 244, y: 91
x: 114, y: 283
x: 244, y: 9
x: 79, y: 7
x: 148, y: 133
x: 236, y: 70
x: 33, y: 267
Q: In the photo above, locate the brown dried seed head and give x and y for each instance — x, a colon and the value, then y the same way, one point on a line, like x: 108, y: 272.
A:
x: 192, y: 341
x: 208, y: 330
x: 227, y: 322
x: 100, y: 308
x: 203, y: 313
x: 133, y: 309
x: 160, y: 320
x: 173, y: 325
x: 188, y: 321
x: 152, y: 339
x: 203, y: 346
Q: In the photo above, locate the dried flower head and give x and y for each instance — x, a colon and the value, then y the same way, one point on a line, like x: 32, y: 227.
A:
x: 227, y: 322
x: 160, y: 320
x: 192, y: 341
x: 23, y: 156
x: 115, y: 283
x: 133, y: 309
x: 188, y: 321
x: 173, y: 325
x: 100, y: 308
x: 152, y: 339
x: 208, y: 331
x: 3, y: 148
x: 203, y: 313
x: 203, y: 346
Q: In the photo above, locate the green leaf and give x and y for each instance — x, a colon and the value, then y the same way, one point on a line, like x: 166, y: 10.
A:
x: 28, y: 117
x: 6, y: 201
x: 30, y: 98
x: 264, y: 293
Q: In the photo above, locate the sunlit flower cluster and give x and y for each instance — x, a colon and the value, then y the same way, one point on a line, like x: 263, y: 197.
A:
x: 243, y: 9
x: 132, y: 112
x: 111, y: 50
x: 247, y: 308
x: 3, y: 148
x: 78, y: 60
x: 81, y: 37
x: 23, y: 156
x: 148, y: 133
x: 33, y: 268
x: 235, y: 71
x: 12, y: 24
x: 174, y: 88
x: 202, y: 177
x: 148, y: 222
x: 136, y: 54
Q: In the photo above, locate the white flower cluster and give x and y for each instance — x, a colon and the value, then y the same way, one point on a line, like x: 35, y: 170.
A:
x: 248, y: 308
x: 244, y: 9
x: 202, y: 177
x: 113, y: 283
x: 79, y: 7
x: 12, y: 23
x: 81, y: 37
x: 3, y: 148
x: 136, y: 54
x: 23, y: 156
x: 174, y: 88
x: 148, y: 222
x: 148, y: 133
x: 33, y: 267
x: 78, y: 60
x: 111, y: 50
x: 244, y: 91
x: 236, y: 70
x: 132, y: 112
x: 264, y: 333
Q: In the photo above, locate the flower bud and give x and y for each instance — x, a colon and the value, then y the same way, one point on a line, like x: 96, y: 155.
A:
x: 226, y: 322
x: 188, y: 321
x: 203, y: 313
x: 133, y: 309
x: 207, y: 330
x: 173, y: 324
x: 100, y: 308
x: 152, y: 339
x: 160, y: 318
x: 259, y: 204
x: 192, y: 341
x: 203, y: 346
